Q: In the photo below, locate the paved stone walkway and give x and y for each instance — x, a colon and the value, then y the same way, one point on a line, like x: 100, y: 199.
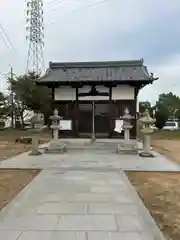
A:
x: 80, y: 195
x: 82, y: 205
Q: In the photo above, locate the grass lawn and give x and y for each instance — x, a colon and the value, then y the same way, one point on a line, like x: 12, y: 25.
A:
x: 160, y: 193
x: 8, y: 147
x: 167, y: 143
x: 168, y: 135
x: 12, y: 182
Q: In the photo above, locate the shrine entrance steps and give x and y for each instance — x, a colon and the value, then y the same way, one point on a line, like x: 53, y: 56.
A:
x: 102, y: 145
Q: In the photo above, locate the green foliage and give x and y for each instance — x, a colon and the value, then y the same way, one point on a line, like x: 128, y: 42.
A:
x: 4, y: 107
x: 169, y: 104
x: 161, y: 118
x: 31, y: 96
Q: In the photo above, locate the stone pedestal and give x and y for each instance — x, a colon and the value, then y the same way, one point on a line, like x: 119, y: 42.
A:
x: 36, y: 122
x: 147, y: 131
x: 35, y: 146
x: 126, y: 133
x: 146, y: 147
x: 127, y: 148
x: 55, y: 145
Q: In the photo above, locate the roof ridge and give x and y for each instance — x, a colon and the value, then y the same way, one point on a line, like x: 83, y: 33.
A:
x: 126, y: 63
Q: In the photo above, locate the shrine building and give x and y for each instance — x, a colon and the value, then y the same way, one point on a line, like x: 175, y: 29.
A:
x: 92, y: 96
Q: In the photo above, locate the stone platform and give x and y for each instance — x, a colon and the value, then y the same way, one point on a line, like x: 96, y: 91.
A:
x: 82, y: 156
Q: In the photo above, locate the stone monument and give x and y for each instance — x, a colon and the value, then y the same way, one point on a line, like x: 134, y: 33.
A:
x: 147, y: 121
x: 127, y: 146
x: 55, y: 145
x: 37, y: 123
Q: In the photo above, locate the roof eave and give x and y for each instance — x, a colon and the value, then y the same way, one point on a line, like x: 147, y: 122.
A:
x: 129, y: 81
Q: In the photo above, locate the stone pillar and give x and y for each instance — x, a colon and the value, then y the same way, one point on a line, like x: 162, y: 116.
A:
x: 55, y: 145
x: 36, y: 122
x: 147, y: 122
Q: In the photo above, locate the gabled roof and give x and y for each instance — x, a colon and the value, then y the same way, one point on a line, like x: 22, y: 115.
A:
x: 119, y: 71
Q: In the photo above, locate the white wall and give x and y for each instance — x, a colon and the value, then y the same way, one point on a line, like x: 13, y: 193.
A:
x: 123, y: 93
x: 65, y: 93
x: 118, y: 93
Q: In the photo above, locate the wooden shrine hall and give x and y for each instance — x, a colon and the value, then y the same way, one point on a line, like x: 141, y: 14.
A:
x: 91, y: 96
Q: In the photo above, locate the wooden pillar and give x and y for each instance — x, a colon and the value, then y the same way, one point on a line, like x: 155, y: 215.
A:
x: 110, y: 113
x: 53, y: 90
x: 77, y: 114
x: 53, y: 107
x: 136, y: 91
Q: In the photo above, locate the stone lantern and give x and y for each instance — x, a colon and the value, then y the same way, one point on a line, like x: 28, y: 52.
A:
x: 127, y: 145
x: 126, y: 124
x: 147, y: 121
x: 55, y: 126
x: 55, y: 146
x: 37, y: 125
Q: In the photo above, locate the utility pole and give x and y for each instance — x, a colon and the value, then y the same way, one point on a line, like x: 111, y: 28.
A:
x: 12, y: 101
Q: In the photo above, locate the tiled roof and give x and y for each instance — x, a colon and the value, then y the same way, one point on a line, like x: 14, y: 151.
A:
x: 96, y: 71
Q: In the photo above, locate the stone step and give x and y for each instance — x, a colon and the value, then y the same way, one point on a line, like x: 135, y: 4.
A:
x: 98, y: 147
x: 92, y: 147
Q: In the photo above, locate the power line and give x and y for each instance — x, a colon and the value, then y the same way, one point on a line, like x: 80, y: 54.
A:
x: 70, y: 6
x: 6, y: 40
x: 82, y: 8
x: 61, y: 5
x: 7, y: 37
x: 56, y: 1
x: 90, y: 5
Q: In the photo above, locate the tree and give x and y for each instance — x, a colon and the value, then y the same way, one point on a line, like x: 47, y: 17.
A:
x: 4, y: 107
x: 168, y: 103
x: 28, y: 96
x: 161, y: 118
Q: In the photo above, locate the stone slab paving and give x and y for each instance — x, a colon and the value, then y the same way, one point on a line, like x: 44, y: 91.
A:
x: 81, y: 195
x: 102, y: 160
x: 82, y: 205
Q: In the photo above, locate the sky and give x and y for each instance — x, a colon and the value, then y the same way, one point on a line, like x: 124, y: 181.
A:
x: 93, y: 30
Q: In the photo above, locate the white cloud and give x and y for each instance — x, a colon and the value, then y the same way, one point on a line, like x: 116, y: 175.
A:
x: 105, y: 31
x: 169, y: 79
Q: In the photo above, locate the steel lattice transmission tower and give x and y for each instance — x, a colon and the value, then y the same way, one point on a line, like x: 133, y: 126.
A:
x: 35, y: 36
